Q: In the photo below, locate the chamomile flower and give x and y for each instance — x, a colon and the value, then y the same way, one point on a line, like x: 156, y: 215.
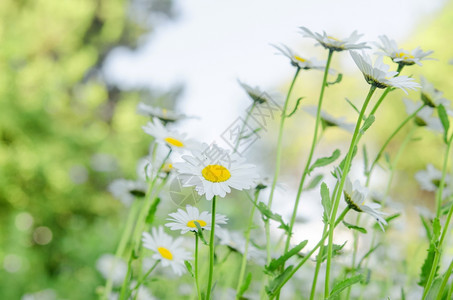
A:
x: 355, y: 195
x: 185, y: 220
x: 401, y: 56
x: 379, y: 74
x: 109, y: 265
x: 430, y: 179
x: 430, y: 95
x: 127, y: 190
x: 328, y: 120
x: 299, y: 61
x: 172, y: 139
x: 333, y: 43
x: 256, y: 94
x: 214, y: 172
x: 424, y: 117
x: 167, y: 250
x: 163, y: 114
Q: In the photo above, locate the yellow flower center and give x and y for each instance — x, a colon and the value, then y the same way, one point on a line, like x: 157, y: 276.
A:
x: 300, y: 58
x: 192, y: 223
x: 404, y: 55
x: 216, y: 173
x: 164, y: 112
x: 174, y: 142
x: 165, y: 253
x: 332, y: 38
x: 167, y: 167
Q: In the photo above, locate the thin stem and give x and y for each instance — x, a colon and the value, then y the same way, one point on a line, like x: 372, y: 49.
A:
x: 140, y: 282
x: 196, y: 266
x: 340, y: 188
x: 280, y: 138
x: 247, y: 241
x: 249, y: 112
x: 384, y: 146
x: 310, y: 156
x: 211, y: 250
x: 124, y: 288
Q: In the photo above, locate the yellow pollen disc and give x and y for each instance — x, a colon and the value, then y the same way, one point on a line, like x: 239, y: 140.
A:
x: 300, y: 58
x: 404, y: 55
x: 192, y: 223
x: 174, y: 142
x: 216, y: 173
x: 332, y: 38
x: 164, y: 112
x: 165, y: 253
x: 167, y: 167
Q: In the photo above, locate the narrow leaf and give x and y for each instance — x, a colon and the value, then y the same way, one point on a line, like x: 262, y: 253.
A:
x: 342, y: 285
x: 276, y: 263
x: 295, y: 107
x: 444, y: 119
x: 336, y: 250
x: 338, y: 80
x: 245, y: 285
x: 268, y: 214
x: 324, y: 161
x: 152, y: 211
x: 314, y: 182
x: 427, y: 227
x: 436, y: 230
x: 352, y: 105
x: 273, y: 286
x: 354, y: 227
x: 325, y: 201
x: 200, y: 233
x: 426, y: 267
x: 189, y: 268
x: 368, y: 122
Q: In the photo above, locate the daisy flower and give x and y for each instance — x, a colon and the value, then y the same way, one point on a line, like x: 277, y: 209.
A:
x: 430, y: 178
x: 328, y: 120
x: 172, y: 139
x: 127, y: 190
x: 424, y: 117
x: 163, y: 114
x: 167, y: 250
x: 185, y: 220
x: 256, y: 94
x: 379, y: 74
x: 335, y: 44
x: 214, y: 172
x: 430, y: 95
x: 355, y: 195
x: 300, y: 61
x: 401, y: 56
x: 109, y: 264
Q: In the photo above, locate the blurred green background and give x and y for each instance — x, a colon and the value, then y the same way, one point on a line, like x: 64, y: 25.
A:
x: 65, y: 134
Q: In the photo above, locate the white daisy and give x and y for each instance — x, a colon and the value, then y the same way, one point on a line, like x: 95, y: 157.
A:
x: 236, y: 241
x: 185, y: 220
x: 300, y: 61
x: 127, y: 190
x: 379, y: 76
x: 424, y: 117
x: 214, y: 172
x: 430, y: 95
x: 255, y: 93
x: 335, y: 44
x: 166, y: 249
x: 163, y: 114
x: 355, y: 195
x: 430, y: 178
x: 109, y: 264
x: 401, y: 56
x: 172, y: 139
x: 328, y: 120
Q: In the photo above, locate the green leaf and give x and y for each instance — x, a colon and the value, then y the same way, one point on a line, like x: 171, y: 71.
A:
x: 152, y: 211
x: 276, y: 263
x: 324, y: 161
x: 336, y: 250
x: 245, y: 285
x: 434, y: 291
x: 365, y: 159
x: 342, y: 285
x: 367, y: 254
x: 444, y: 119
x: 427, y: 227
x: 274, y: 285
x: 314, y: 182
x: 338, y: 80
x: 268, y: 214
x: 427, y: 265
x: 341, y: 166
x: 436, y: 230
x: 189, y: 268
x: 368, y: 122
x: 353, y: 106
x: 200, y: 233
x: 326, y: 202
x: 354, y: 227
x: 295, y: 107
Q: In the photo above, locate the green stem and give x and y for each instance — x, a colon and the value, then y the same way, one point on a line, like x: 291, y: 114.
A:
x: 247, y: 241
x: 124, y: 287
x: 445, y: 281
x: 211, y: 250
x: 196, y: 266
x: 121, y: 246
x: 310, y: 156
x: 243, y: 126
x: 445, y: 229
x: 309, y: 254
x: 140, y: 282
x: 340, y: 188
x: 378, y: 156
